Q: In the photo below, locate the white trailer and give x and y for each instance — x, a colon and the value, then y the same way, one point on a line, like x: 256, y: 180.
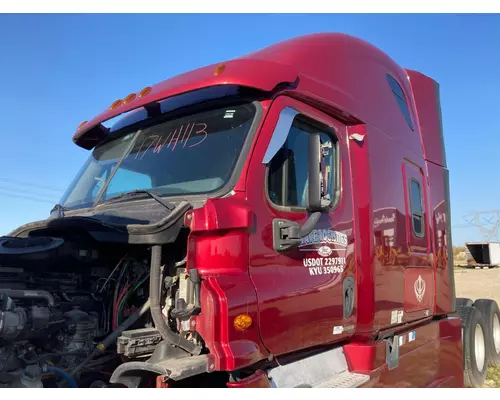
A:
x: 482, y: 254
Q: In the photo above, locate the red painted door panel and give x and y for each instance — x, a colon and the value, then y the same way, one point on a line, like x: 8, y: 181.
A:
x: 300, y: 291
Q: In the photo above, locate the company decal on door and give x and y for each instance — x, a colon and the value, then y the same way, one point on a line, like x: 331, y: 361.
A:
x: 330, y: 247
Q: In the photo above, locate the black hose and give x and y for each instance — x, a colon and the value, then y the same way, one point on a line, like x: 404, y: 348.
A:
x: 29, y: 294
x: 155, y: 279
x: 112, y: 337
x: 36, y: 360
x: 125, y: 325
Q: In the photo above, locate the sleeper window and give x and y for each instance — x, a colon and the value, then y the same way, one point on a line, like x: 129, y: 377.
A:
x: 417, y: 213
x: 288, y: 170
x: 400, y: 99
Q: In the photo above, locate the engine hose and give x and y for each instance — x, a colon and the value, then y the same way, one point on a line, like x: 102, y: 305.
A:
x: 51, y: 355
x: 155, y: 279
x: 29, y: 294
x: 61, y: 373
x: 111, y: 338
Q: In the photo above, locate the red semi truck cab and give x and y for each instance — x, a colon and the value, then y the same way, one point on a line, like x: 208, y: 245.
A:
x: 298, y: 197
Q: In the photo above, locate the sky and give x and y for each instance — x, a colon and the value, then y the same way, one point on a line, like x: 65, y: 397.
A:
x: 59, y: 70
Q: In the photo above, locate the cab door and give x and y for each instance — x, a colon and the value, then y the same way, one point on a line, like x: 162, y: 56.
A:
x: 306, y: 293
x: 419, y: 271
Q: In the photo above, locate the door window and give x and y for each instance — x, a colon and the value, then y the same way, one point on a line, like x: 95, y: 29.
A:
x: 287, y: 182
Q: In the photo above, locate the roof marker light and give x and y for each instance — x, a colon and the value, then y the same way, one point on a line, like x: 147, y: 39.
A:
x: 219, y: 69
x: 116, y: 104
x: 81, y: 125
x: 129, y: 98
x: 145, y: 91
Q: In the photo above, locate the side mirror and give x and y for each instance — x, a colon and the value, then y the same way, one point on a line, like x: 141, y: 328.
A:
x: 288, y: 234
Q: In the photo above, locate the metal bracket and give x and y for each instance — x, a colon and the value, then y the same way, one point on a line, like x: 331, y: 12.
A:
x: 392, y: 352
x: 286, y: 234
x: 348, y: 298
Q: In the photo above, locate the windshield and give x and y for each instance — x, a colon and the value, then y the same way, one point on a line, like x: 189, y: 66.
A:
x: 195, y: 154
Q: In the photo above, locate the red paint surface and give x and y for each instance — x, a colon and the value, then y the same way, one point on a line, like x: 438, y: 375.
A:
x: 342, y: 83
x: 287, y: 293
x: 433, y: 359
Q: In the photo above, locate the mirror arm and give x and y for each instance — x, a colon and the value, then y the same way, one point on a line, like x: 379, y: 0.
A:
x: 288, y: 234
x: 310, y: 224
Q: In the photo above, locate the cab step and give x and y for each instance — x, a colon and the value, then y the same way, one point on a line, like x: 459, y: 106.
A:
x: 345, y: 379
x: 324, y: 370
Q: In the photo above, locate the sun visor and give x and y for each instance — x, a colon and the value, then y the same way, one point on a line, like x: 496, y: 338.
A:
x: 240, y: 72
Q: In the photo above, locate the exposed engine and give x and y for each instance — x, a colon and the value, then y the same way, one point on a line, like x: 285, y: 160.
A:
x: 72, y: 309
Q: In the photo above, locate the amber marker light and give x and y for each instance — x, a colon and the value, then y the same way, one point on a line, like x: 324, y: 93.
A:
x: 81, y: 125
x: 145, y: 91
x: 242, y: 322
x: 129, y: 98
x: 115, y: 104
x: 219, y: 69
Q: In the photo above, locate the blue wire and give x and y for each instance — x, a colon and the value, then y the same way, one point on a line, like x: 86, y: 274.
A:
x: 62, y: 374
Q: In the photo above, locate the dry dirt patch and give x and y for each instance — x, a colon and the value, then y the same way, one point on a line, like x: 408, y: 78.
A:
x: 478, y: 283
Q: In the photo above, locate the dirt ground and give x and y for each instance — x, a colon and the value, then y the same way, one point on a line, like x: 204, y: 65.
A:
x: 476, y: 284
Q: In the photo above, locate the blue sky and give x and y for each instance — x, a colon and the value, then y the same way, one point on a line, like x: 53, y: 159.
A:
x: 58, y: 70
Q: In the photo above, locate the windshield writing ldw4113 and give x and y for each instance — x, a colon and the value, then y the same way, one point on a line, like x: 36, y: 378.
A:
x: 184, y: 133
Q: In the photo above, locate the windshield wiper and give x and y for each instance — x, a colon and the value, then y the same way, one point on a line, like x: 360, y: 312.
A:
x: 101, y: 192
x: 169, y: 206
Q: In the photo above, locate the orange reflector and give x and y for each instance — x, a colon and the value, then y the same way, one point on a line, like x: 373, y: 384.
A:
x: 83, y: 123
x: 115, y: 104
x: 129, y: 98
x: 219, y: 69
x: 242, y: 322
x: 145, y: 91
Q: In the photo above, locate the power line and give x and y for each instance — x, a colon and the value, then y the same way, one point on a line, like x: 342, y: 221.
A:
x: 30, y: 192
x: 488, y: 223
x: 28, y: 198
x: 17, y: 182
